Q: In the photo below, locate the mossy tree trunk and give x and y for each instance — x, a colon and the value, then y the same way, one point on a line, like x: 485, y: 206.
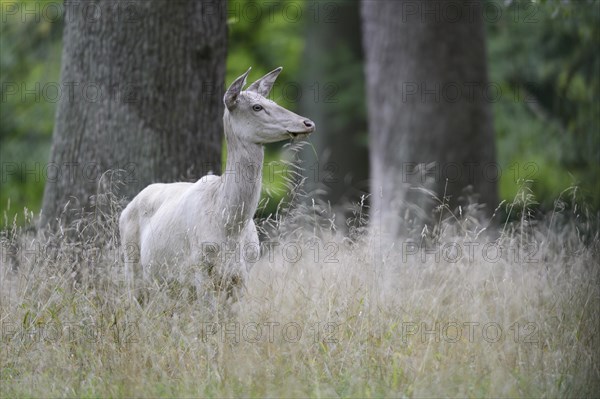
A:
x: 429, y: 103
x: 142, y: 84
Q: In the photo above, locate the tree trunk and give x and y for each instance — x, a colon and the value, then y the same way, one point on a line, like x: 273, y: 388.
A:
x: 142, y: 85
x: 428, y: 103
x: 334, y: 98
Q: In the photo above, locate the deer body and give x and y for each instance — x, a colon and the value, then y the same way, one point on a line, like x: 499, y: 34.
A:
x: 208, y: 226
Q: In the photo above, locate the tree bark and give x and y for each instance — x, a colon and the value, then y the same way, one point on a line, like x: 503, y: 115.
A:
x: 333, y: 84
x: 428, y: 101
x: 142, y: 85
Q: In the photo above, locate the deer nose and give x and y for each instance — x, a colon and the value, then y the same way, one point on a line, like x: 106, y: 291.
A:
x: 309, y: 124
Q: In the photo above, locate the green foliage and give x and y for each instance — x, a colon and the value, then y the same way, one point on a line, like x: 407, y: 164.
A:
x: 264, y: 35
x: 29, y: 77
x: 544, y: 58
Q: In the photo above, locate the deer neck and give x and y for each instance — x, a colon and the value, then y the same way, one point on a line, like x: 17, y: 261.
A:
x: 241, y: 181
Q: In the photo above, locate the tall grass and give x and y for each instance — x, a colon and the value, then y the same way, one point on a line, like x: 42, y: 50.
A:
x: 449, y: 310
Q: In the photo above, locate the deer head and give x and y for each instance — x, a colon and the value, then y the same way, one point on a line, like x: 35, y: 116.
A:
x: 254, y: 118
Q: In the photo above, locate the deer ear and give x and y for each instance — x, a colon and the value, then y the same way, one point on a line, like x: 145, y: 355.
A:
x: 263, y: 85
x: 231, y: 95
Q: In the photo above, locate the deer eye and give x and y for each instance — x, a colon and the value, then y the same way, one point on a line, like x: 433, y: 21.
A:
x: 257, y: 107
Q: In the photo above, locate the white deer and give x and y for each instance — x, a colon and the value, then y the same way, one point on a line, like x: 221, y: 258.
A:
x: 208, y: 225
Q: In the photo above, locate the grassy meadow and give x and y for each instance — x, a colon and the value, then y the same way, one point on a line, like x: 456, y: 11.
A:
x: 461, y: 309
